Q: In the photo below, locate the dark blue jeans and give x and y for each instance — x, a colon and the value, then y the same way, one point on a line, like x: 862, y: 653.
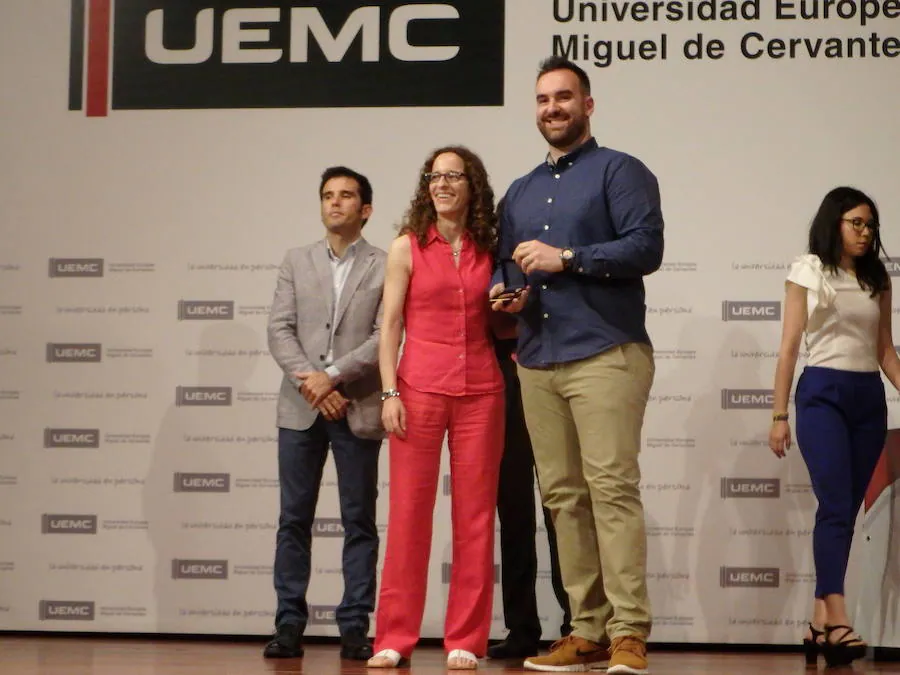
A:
x: 841, y: 430
x: 301, y: 457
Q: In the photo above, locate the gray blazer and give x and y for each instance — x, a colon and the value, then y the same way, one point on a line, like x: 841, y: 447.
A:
x: 299, y: 327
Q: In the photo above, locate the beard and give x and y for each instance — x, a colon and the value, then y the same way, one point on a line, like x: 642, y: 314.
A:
x: 564, y: 138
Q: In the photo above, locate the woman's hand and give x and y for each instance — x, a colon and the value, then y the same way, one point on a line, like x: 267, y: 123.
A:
x: 393, y: 416
x: 780, y: 437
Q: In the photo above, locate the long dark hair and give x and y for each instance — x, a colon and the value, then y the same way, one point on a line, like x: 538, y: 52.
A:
x: 826, y: 242
x: 481, y: 221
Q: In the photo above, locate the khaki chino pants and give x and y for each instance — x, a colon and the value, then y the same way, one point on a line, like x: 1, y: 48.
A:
x: 585, y: 420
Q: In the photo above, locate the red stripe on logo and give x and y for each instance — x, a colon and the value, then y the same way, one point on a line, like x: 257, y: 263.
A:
x: 98, y: 57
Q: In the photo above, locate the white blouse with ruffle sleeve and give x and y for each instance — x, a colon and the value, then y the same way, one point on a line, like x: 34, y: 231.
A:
x: 841, y: 318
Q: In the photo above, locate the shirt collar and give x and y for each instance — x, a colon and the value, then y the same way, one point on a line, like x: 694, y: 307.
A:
x: 568, y: 160
x: 433, y: 235
x: 350, y: 252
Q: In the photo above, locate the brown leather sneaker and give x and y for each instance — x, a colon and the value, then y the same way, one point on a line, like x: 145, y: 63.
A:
x: 570, y: 655
x: 628, y: 656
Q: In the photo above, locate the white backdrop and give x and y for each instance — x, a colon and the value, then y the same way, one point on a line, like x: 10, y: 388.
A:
x: 143, y: 515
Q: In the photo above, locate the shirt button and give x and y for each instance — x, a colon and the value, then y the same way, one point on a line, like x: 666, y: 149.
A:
x: 461, y: 355
x: 556, y: 176
x: 546, y: 316
x: 546, y: 227
x: 544, y: 286
x: 549, y: 200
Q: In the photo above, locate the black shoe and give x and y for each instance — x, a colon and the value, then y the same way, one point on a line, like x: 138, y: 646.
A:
x: 512, y: 648
x: 845, y: 650
x: 355, y: 646
x: 286, y: 644
x: 812, y: 647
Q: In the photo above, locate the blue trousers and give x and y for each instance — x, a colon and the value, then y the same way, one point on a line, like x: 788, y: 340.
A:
x: 841, y: 430
x: 301, y: 457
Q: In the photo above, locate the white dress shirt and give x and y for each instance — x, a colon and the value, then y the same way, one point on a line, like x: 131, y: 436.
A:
x: 340, y: 270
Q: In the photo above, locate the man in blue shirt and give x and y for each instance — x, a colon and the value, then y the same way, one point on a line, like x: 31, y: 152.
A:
x: 585, y: 227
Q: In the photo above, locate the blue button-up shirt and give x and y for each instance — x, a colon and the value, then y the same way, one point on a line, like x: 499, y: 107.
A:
x: 605, y: 205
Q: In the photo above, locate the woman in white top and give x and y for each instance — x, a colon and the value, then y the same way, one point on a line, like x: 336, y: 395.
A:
x: 839, y: 295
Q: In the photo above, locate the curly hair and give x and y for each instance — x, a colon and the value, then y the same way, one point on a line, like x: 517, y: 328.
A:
x: 481, y: 217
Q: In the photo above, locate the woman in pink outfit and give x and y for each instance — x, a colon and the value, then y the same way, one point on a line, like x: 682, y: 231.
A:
x: 448, y: 382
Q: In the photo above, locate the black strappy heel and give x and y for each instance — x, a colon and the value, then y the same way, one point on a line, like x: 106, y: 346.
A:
x: 844, y: 651
x: 812, y: 647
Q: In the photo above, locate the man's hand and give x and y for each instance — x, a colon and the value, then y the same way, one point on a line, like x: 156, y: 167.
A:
x: 333, y: 406
x: 534, y: 256
x: 512, y: 305
x: 316, y: 386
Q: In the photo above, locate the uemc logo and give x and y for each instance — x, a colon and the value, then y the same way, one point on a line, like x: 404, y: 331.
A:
x: 176, y: 54
x: 202, y: 482
x: 58, y: 352
x: 76, y: 267
x: 893, y: 267
x: 327, y: 527
x: 68, y: 524
x: 322, y: 615
x: 215, y: 396
x: 71, y: 438
x: 749, y: 577
x: 732, y: 488
x: 751, y: 310
x: 447, y: 572
x: 65, y: 610
x: 199, y: 569
x: 205, y: 310
x: 747, y: 399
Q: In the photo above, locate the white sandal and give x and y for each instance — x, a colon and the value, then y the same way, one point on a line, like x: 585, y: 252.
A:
x: 468, y: 659
x: 391, y: 659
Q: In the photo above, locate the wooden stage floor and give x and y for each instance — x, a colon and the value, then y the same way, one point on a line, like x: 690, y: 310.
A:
x: 51, y: 655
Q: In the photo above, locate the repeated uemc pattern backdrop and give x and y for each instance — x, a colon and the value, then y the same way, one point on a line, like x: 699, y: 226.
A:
x: 174, y: 493
x: 138, y: 483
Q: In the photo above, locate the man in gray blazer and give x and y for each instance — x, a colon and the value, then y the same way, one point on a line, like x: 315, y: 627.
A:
x: 323, y: 332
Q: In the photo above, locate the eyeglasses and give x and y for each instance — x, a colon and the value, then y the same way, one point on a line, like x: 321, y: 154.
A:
x: 859, y: 224
x: 451, y: 176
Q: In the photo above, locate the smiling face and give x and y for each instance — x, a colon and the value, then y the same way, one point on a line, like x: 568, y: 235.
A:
x: 449, y: 186
x: 563, y: 110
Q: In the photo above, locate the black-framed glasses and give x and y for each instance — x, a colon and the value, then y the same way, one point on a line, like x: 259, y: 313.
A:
x: 858, y: 224
x: 450, y: 176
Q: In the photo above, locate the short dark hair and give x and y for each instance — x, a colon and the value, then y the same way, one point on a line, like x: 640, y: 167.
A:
x: 365, y: 187
x: 552, y: 63
x: 825, y: 238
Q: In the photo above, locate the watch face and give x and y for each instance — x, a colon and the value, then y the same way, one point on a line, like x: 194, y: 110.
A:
x: 568, y: 254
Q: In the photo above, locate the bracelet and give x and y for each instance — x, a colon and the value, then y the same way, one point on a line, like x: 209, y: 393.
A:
x: 390, y: 393
x: 780, y: 417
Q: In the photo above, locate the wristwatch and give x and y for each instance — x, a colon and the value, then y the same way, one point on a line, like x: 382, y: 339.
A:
x: 567, y: 256
x: 390, y: 393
